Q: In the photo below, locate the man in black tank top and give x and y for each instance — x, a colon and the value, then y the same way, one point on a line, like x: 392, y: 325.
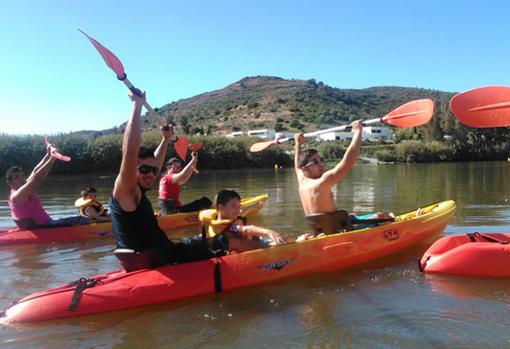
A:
x: 133, y: 222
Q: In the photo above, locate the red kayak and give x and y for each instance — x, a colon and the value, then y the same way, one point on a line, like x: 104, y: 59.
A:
x: 476, y: 254
x: 15, y: 236
x: 121, y: 289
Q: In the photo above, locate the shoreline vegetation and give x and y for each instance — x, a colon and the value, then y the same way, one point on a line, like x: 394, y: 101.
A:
x: 265, y: 102
x: 102, y: 153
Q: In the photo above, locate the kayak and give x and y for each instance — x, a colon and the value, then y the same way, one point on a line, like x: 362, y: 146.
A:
x: 476, y: 254
x: 15, y: 236
x: 122, y: 290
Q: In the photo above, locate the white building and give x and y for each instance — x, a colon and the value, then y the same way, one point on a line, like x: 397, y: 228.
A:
x: 370, y: 133
x: 284, y: 134
x: 265, y: 133
x: 377, y: 133
x: 235, y: 134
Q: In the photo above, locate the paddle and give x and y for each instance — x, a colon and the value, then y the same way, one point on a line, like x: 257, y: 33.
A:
x: 411, y: 114
x: 194, y: 147
x: 54, y: 151
x: 483, y: 107
x: 181, y: 145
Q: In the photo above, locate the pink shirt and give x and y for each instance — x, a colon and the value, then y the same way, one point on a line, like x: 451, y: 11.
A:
x: 31, y: 209
x: 169, y: 190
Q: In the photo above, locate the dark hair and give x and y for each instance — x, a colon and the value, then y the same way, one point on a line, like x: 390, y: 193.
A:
x: 305, y: 156
x: 172, y: 161
x: 88, y: 190
x: 9, y: 174
x: 225, y: 196
x: 145, y: 153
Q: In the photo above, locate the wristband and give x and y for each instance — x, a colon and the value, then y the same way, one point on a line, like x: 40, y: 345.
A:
x: 235, y: 228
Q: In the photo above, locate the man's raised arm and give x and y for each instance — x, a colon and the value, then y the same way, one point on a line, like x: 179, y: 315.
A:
x: 126, y: 182
x: 349, y: 159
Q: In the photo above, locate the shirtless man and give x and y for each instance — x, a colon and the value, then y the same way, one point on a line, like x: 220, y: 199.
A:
x: 314, y: 183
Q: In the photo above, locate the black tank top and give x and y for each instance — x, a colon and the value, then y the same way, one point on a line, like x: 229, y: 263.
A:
x: 139, y: 230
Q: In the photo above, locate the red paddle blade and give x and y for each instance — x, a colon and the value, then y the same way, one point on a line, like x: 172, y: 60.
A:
x: 259, y: 146
x: 411, y: 114
x: 181, y: 147
x: 55, y: 153
x: 109, y: 58
x: 483, y: 107
x: 195, y: 146
x: 59, y: 156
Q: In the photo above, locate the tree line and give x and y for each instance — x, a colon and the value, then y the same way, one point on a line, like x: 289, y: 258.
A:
x: 103, y: 153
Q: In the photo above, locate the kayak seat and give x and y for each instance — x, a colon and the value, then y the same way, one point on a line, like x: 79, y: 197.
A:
x: 132, y: 260
x: 329, y: 223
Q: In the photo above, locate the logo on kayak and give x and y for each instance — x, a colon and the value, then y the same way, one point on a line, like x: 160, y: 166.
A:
x: 391, y: 235
x: 276, y: 265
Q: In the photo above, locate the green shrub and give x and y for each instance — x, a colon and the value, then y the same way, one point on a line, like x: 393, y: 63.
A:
x: 417, y: 151
x: 385, y: 155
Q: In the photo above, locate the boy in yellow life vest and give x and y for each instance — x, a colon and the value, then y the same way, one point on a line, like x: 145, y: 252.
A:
x: 90, y: 207
x: 227, y: 227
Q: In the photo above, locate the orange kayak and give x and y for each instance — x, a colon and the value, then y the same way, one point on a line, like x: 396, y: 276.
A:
x: 477, y: 254
x: 15, y: 236
x: 121, y: 290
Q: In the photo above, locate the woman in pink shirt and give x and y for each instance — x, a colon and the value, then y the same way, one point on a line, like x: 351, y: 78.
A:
x: 170, y: 188
x: 26, y: 208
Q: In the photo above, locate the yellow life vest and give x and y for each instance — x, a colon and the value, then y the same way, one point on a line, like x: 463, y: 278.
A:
x: 213, y: 225
x: 82, y: 204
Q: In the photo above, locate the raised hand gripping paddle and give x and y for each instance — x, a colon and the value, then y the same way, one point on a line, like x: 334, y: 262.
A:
x: 55, y: 153
x: 411, y: 114
x: 483, y: 107
x: 194, y: 147
x: 116, y: 65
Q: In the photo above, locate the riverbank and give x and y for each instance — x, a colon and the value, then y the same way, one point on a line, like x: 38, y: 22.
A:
x: 102, y: 153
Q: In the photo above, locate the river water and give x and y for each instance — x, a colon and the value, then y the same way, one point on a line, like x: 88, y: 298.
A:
x: 387, y: 303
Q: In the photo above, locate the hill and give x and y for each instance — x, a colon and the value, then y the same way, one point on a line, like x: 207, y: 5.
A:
x: 272, y: 102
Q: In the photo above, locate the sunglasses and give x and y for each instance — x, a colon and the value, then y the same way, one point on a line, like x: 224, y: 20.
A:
x: 144, y: 169
x: 314, y: 162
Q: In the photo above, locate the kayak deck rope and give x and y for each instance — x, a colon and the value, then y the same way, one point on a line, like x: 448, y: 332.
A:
x: 80, y: 286
x: 421, y: 266
x: 218, y: 286
x: 473, y: 236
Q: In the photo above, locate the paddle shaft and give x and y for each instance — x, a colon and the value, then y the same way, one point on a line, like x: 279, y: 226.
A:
x: 137, y: 92
x: 332, y: 129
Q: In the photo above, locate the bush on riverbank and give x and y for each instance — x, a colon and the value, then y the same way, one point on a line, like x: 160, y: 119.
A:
x: 103, y: 153
x: 417, y: 151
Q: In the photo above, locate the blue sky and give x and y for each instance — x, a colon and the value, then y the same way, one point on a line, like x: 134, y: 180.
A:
x: 53, y: 80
